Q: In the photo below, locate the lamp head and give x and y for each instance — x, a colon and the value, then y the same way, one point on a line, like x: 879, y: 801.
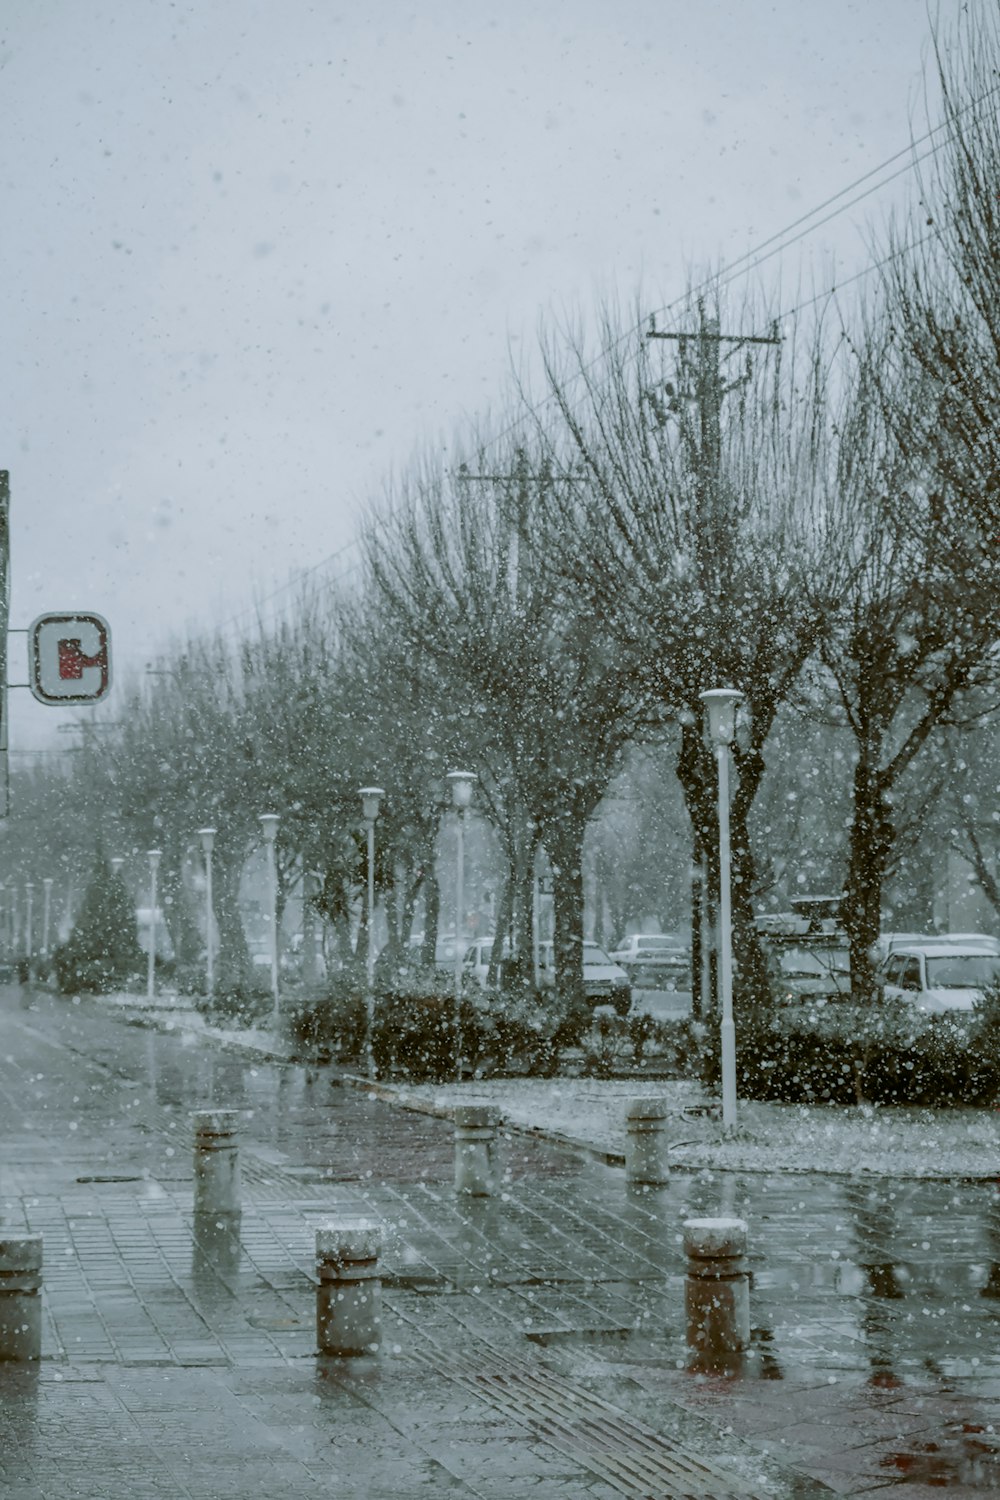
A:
x: 721, y: 704
x: 371, y: 796
x: 154, y: 856
x: 269, y: 826
x: 207, y: 836
x: 462, y: 783
x: 116, y: 863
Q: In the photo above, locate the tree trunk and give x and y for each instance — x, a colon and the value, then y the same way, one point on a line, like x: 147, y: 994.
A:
x: 184, y: 931
x: 564, y: 842
x: 869, y: 848
x: 233, y: 963
x: 432, y: 913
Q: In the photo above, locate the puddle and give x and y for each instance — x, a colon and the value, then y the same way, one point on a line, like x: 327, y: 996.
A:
x: 966, y: 1455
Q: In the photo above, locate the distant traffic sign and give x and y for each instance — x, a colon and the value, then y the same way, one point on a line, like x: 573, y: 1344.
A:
x: 69, y: 658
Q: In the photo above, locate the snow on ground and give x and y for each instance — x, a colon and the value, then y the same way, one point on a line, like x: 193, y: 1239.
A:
x: 872, y: 1140
x: 769, y: 1137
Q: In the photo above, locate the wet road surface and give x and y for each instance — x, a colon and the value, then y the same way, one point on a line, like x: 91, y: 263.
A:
x: 532, y: 1344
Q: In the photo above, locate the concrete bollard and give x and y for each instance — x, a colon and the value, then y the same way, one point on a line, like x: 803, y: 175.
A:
x: 717, y: 1288
x: 646, y: 1142
x: 20, y: 1296
x: 216, y: 1161
x: 475, y: 1149
x: 349, y: 1291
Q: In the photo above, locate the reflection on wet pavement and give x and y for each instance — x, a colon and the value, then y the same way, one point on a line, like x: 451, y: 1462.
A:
x: 874, y: 1357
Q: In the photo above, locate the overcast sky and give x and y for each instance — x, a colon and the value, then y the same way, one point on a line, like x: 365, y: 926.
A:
x: 255, y: 252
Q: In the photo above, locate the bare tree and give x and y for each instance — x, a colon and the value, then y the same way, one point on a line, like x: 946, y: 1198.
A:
x: 549, y: 706
x: 916, y: 627
x: 941, y: 281
x: 700, y: 538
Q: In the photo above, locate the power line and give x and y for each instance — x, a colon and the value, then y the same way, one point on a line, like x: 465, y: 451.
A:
x: 744, y: 264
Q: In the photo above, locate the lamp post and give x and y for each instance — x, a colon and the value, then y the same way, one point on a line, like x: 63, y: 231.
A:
x: 29, y: 894
x: 371, y: 796
x: 153, y: 855
x: 721, y: 705
x: 207, y: 836
x: 269, y: 826
x: 461, y: 797
x: 46, y: 914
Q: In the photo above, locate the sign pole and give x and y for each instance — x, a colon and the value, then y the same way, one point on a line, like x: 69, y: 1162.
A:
x: 4, y: 618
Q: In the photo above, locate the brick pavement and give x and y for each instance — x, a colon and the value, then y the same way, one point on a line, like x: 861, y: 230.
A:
x: 532, y: 1343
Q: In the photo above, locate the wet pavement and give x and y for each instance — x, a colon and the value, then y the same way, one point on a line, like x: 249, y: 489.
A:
x: 532, y: 1343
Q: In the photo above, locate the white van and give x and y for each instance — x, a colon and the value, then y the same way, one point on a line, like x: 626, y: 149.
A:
x: 940, y: 976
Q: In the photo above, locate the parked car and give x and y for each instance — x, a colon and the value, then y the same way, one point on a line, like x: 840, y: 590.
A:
x: 604, y: 981
x: 655, y: 960
x: 476, y: 963
x: 938, y: 977
x: 891, y: 942
x: 815, y: 969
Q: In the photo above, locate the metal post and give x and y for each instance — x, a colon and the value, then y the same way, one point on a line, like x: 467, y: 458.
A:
x: 209, y: 934
x: 370, y: 954
x: 46, y: 914
x: 207, y: 836
x: 371, y: 796
x: 459, y: 939
x: 728, y: 1028
x: 705, y: 977
x: 153, y: 855
x: 269, y: 823
x: 29, y: 893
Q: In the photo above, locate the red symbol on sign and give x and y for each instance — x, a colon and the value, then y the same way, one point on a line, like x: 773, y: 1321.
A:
x: 72, y: 661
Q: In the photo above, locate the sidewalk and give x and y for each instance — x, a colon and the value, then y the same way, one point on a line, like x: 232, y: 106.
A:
x: 533, y: 1343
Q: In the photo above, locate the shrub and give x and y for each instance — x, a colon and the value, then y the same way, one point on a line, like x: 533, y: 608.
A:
x: 330, y: 1025
x: 885, y: 1054
x: 102, y: 953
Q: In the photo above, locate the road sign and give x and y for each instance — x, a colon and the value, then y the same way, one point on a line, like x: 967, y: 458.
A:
x: 69, y: 658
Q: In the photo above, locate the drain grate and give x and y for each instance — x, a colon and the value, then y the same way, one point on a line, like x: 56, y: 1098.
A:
x: 632, y: 1458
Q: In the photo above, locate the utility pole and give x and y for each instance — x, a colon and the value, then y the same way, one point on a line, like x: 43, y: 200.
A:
x: 702, y: 382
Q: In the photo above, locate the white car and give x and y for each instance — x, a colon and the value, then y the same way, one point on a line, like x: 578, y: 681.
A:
x: 655, y: 960
x: 476, y: 963
x: 937, y: 977
x: 604, y: 981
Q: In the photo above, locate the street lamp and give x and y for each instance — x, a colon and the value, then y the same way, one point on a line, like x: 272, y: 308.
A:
x: 116, y: 863
x: 269, y: 825
x: 46, y: 913
x: 154, y: 856
x: 207, y: 836
x: 721, y: 705
x: 371, y: 796
x: 29, y: 892
x: 461, y: 798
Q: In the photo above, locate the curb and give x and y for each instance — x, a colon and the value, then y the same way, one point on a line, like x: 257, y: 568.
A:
x: 391, y: 1094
